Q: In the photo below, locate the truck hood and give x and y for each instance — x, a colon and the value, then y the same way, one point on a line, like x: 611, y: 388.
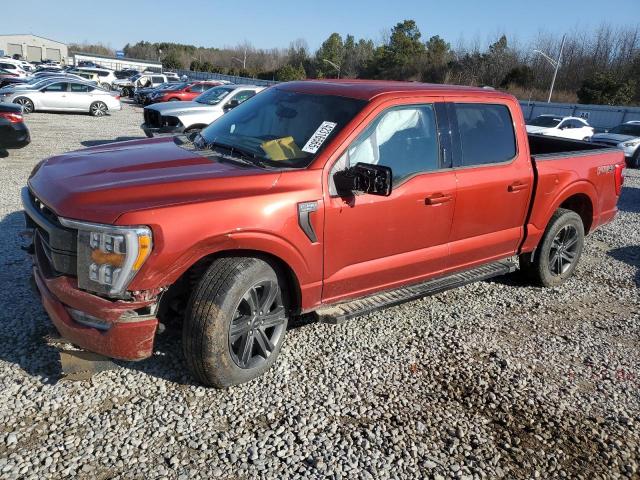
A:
x: 178, y: 108
x: 612, y: 137
x: 99, y: 184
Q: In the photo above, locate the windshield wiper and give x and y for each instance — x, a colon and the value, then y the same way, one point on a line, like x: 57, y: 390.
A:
x: 245, y: 156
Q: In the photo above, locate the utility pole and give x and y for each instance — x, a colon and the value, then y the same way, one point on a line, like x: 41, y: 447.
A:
x: 554, y: 63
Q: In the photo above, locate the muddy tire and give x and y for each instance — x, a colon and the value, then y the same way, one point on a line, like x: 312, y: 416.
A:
x: 557, y: 255
x: 235, y: 322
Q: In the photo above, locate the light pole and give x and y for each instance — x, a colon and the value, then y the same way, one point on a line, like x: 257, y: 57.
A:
x: 554, y: 63
x: 337, y: 67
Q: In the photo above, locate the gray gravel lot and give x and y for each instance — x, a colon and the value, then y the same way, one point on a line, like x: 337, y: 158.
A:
x: 494, y: 380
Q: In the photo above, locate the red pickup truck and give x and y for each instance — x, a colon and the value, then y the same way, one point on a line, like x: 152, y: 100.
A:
x: 333, y: 197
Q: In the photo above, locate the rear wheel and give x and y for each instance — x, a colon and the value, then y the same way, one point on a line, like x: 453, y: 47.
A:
x: 174, y: 99
x: 98, y: 109
x: 25, y: 103
x: 235, y: 322
x: 557, y: 256
x: 635, y: 160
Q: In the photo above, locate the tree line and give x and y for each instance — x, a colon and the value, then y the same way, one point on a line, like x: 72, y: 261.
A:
x: 600, y: 66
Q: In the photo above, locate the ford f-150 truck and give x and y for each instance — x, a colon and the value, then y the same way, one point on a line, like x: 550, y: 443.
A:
x: 333, y: 197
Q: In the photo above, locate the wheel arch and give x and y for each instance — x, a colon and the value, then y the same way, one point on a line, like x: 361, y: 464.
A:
x: 182, y: 287
x: 582, y: 204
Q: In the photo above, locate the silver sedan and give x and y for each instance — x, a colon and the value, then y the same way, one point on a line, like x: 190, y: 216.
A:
x: 64, y: 96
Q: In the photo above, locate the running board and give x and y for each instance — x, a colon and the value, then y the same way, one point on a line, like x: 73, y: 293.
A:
x: 341, y: 312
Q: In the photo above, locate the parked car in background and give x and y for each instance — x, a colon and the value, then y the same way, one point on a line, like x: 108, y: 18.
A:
x: 558, y: 126
x: 128, y: 86
x: 6, y: 76
x: 38, y: 82
x: 182, y: 92
x: 625, y: 136
x: 13, y: 131
x: 88, y: 64
x: 338, y: 198
x: 141, y: 95
x: 126, y: 73
x: 90, y: 77
x: 106, y: 77
x: 179, y: 117
x: 13, y: 68
x: 65, y: 96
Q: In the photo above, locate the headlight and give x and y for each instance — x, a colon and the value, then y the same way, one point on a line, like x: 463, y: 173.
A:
x: 632, y: 143
x: 109, y: 256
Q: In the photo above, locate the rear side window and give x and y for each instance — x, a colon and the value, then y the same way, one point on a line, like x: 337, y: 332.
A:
x: 486, y: 133
x: 80, y: 88
x: 157, y: 79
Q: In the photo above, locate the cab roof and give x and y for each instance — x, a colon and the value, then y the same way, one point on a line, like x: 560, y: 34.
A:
x: 370, y: 89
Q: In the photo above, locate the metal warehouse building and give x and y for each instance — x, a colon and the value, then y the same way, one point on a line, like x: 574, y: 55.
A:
x: 33, y: 48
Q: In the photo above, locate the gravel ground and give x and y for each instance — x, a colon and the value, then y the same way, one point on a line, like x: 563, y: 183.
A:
x: 494, y: 380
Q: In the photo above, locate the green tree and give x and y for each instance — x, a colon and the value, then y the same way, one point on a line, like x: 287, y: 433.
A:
x: 603, y: 88
x: 437, y: 57
x: 172, y: 61
x: 400, y: 57
x: 522, y: 76
x: 289, y: 73
x: 332, y: 50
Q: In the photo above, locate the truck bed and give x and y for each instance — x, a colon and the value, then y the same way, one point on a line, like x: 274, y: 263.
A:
x: 543, y: 146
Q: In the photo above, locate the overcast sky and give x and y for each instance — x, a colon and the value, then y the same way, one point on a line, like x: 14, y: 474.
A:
x: 274, y: 23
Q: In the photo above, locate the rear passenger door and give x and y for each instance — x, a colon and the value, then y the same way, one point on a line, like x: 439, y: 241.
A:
x: 79, y: 96
x: 374, y: 243
x: 494, y: 183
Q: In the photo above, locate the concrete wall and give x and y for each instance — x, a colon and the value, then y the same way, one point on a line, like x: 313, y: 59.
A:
x: 33, y: 48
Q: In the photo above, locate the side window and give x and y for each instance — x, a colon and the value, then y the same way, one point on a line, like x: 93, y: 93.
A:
x: 56, y: 87
x: 158, y: 79
x: 243, y: 95
x: 197, y: 88
x: 402, y: 138
x: 79, y: 88
x: 486, y: 133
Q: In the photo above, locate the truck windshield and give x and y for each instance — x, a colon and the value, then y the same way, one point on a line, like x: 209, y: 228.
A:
x: 544, y: 121
x: 283, y: 128
x: 214, y: 96
x: 627, y: 129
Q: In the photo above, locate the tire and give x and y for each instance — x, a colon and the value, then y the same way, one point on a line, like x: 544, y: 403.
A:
x: 26, y: 104
x: 558, y: 254
x: 124, y: 92
x: 174, y: 99
x: 231, y: 291
x: 98, y: 109
x: 635, y: 160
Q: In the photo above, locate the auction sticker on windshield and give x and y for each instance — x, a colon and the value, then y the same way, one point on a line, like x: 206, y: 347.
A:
x: 318, y: 138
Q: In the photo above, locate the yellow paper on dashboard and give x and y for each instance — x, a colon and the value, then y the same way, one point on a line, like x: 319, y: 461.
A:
x: 284, y: 148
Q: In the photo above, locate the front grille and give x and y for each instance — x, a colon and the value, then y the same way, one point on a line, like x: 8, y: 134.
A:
x: 152, y: 118
x: 55, y: 245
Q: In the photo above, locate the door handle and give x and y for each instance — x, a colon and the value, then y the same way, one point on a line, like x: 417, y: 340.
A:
x: 517, y: 186
x: 437, y: 199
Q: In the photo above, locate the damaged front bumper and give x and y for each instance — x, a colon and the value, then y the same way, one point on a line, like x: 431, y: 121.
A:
x: 111, y: 328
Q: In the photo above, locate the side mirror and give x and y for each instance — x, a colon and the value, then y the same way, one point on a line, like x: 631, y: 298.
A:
x: 232, y: 104
x: 363, y: 178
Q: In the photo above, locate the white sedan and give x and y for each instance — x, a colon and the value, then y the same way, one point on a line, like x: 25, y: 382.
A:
x: 564, y: 127
x: 65, y: 96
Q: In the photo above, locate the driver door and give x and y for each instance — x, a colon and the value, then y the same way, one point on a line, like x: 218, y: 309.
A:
x: 54, y: 96
x: 374, y: 243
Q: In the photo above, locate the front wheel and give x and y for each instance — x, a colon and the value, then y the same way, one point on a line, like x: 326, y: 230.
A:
x: 557, y: 256
x: 235, y: 322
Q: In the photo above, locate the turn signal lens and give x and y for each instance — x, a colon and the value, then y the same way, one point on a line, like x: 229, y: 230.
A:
x: 144, y: 250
